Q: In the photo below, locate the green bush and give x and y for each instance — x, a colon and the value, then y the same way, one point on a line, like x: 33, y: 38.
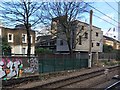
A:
x: 110, y: 63
x: 118, y: 55
x: 6, y: 48
x: 43, y: 51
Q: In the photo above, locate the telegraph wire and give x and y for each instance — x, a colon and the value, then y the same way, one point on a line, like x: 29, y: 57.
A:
x: 102, y: 13
x: 102, y: 19
x: 111, y: 6
x: 118, y: 5
x: 116, y: 1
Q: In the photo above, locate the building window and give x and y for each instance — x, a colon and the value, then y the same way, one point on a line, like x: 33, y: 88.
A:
x: 61, y: 42
x: 10, y: 37
x: 31, y: 38
x: 80, y: 43
x: 97, y: 34
x: 23, y: 50
x: 82, y: 28
x: 86, y: 35
x: 0, y: 31
x: 97, y: 44
x: 92, y: 44
x: 52, y: 43
x: 24, y: 38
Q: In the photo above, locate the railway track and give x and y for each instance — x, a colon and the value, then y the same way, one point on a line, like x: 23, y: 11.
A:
x: 115, y: 86
x: 12, y: 82
x: 71, y: 80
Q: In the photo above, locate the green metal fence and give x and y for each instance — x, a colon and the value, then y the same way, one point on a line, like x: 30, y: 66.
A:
x: 60, y: 64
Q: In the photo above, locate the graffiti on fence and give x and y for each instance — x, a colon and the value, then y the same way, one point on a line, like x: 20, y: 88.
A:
x: 33, y: 62
x: 10, y: 68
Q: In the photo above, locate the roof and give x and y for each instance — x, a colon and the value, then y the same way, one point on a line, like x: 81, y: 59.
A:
x: 63, y: 18
x: 15, y: 28
x: 85, y: 23
x: 109, y: 38
x: 59, y: 18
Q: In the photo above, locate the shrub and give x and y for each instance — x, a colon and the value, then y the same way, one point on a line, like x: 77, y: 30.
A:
x: 43, y: 51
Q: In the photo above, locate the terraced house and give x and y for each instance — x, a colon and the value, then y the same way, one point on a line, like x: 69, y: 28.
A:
x: 112, y: 42
x: 17, y: 39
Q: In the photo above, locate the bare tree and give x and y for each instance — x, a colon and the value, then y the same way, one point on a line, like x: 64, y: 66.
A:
x: 22, y: 12
x: 64, y: 14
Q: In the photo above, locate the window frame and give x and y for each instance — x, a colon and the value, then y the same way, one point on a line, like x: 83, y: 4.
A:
x: 25, y: 41
x: 31, y: 38
x: 80, y: 40
x: 24, y: 50
x: 97, y: 34
x: 92, y: 44
x: 97, y: 44
x: 86, y: 35
x: 11, y: 37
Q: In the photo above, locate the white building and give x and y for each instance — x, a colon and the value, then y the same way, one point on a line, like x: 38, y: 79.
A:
x: 81, y: 38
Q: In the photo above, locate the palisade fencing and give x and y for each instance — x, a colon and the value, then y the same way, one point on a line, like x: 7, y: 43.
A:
x: 61, y: 62
x: 107, y: 56
x: 104, y: 56
x: 46, y: 63
x: 43, y: 63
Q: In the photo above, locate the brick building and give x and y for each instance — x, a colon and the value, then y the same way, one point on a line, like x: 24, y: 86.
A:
x: 17, y: 39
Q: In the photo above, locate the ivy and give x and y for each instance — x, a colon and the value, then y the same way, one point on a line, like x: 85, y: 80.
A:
x: 6, y: 48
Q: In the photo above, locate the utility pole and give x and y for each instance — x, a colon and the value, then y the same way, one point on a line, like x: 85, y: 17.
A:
x: 90, y: 41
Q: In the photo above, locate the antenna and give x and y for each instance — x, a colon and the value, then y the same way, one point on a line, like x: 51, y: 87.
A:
x: 107, y: 32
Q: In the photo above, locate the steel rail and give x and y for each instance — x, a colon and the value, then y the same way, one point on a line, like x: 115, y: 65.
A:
x: 71, y: 80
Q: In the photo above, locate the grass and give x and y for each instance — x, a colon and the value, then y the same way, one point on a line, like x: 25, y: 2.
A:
x: 109, y: 63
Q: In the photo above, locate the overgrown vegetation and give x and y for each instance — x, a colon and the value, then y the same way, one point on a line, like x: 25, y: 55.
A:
x: 6, y: 48
x: 110, y: 49
x: 42, y: 51
x: 110, y: 63
x: 117, y: 54
x: 107, y: 48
